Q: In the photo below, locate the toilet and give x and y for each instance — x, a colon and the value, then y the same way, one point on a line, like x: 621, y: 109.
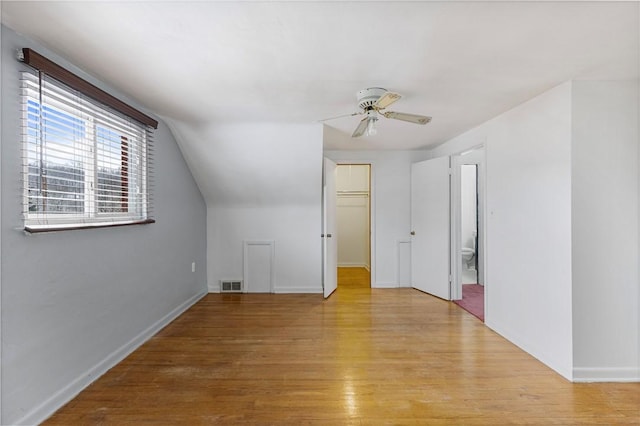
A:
x: 467, y: 257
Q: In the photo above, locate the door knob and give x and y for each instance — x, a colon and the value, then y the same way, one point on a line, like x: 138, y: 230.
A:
x: 328, y: 235
x: 321, y: 235
x: 413, y: 232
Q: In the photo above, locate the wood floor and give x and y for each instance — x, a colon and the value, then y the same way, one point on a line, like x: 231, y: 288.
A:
x: 365, y: 356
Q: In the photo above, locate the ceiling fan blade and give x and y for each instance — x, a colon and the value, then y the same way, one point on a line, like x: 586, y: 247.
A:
x: 361, y: 128
x: 341, y: 116
x: 411, y: 118
x: 385, y: 100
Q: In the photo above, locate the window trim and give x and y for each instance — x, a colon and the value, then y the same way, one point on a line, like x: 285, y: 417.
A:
x: 39, y: 229
x: 39, y: 62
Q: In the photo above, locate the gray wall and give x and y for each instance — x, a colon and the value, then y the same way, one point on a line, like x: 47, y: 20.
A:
x: 75, y: 302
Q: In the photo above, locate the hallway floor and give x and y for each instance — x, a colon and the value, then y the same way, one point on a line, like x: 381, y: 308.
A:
x: 354, y: 278
x: 472, y: 300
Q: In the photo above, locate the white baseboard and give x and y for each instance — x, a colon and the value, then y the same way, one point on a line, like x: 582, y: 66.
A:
x: 213, y: 288
x: 299, y: 290
x: 606, y: 374
x: 384, y: 285
x: 67, y: 393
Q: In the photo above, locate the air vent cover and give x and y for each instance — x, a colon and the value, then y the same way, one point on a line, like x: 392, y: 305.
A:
x: 231, y: 286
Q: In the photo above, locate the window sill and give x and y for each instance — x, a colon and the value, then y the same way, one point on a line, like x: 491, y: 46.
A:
x: 38, y: 229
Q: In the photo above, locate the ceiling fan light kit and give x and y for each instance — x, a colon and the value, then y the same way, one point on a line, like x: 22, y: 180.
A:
x: 372, y: 101
x: 371, y: 123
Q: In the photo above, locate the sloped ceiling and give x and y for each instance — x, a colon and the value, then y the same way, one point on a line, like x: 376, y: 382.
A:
x: 298, y: 62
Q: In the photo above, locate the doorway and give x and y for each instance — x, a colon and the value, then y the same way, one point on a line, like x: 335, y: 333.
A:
x: 469, y: 223
x: 353, y: 223
x: 468, y: 255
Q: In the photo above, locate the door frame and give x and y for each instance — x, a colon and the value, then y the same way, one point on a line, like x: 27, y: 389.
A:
x: 372, y: 213
x: 457, y: 160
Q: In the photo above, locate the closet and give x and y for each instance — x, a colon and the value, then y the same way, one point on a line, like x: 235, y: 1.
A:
x: 353, y: 215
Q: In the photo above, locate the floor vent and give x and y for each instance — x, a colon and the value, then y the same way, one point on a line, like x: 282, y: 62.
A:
x: 230, y: 286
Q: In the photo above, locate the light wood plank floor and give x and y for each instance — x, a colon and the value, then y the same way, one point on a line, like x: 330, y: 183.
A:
x: 365, y: 356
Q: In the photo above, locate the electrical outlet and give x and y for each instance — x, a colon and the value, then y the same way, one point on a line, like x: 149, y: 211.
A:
x: 193, y: 266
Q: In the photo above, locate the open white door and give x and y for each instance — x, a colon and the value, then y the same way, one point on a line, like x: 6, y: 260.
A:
x: 430, y: 227
x: 329, y: 237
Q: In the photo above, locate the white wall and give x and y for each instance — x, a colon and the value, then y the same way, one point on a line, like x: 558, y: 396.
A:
x: 352, y: 216
x: 295, y: 231
x: 261, y: 182
x: 528, y: 196
x: 391, y: 201
x: 564, y: 166
x: 1, y: 351
x: 605, y: 230
x: 74, y: 303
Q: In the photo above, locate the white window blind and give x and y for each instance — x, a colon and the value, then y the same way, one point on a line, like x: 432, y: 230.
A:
x: 84, y: 164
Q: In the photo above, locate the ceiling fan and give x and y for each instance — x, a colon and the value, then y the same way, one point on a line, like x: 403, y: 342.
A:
x: 372, y: 101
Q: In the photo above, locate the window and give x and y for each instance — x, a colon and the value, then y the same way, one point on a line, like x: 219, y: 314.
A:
x: 85, y: 164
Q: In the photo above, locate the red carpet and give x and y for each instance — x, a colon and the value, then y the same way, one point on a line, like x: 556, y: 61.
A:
x: 472, y: 300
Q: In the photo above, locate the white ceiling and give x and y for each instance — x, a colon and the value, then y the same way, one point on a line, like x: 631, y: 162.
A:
x: 227, y: 62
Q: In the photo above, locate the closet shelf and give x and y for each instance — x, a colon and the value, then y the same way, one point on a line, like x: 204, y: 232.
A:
x: 353, y: 193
